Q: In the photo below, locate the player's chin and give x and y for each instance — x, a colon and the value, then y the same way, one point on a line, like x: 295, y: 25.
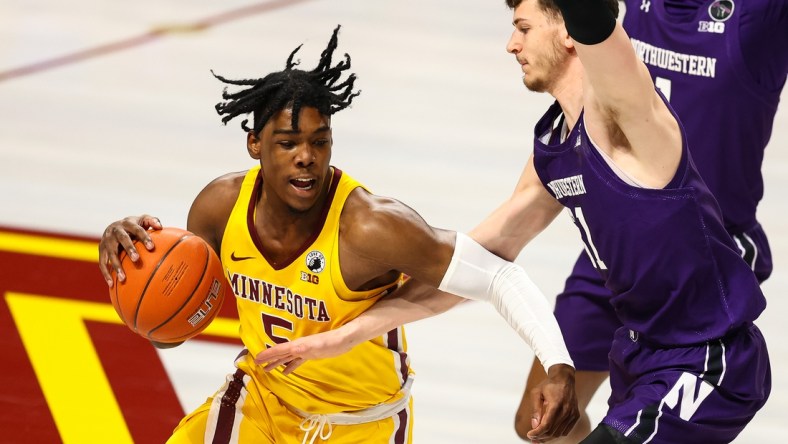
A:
x: 303, y: 201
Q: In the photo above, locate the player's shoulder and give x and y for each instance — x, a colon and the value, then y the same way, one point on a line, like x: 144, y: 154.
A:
x: 225, y: 186
x: 220, y: 193
x: 229, y: 180
x: 363, y: 203
x: 368, y: 215
x: 212, y: 207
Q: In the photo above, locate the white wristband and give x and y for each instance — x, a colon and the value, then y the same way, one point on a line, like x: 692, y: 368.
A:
x: 475, y: 273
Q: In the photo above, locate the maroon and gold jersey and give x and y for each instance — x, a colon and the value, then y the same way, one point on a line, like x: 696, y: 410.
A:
x: 305, y: 295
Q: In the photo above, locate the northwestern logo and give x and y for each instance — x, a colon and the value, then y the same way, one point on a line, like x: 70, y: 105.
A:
x: 568, y: 186
x: 693, y: 65
x: 721, y: 10
x: 315, y: 261
x: 645, y: 5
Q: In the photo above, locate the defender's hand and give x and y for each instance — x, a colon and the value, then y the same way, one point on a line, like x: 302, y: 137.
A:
x: 554, y: 405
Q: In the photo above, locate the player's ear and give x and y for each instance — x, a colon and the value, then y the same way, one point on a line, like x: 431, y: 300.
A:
x: 566, y: 41
x: 253, y: 145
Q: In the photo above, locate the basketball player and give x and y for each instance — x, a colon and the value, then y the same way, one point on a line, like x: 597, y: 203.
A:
x: 306, y: 248
x: 726, y: 95
x: 688, y: 365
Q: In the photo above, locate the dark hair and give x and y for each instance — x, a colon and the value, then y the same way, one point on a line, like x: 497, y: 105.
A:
x: 291, y: 88
x: 552, y: 10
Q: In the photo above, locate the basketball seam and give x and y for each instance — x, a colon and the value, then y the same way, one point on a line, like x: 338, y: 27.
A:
x: 202, y: 277
x: 150, y: 278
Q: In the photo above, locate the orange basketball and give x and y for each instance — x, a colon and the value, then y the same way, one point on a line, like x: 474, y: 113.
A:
x: 173, y: 292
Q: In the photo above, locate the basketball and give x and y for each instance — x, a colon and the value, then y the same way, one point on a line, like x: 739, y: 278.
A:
x: 173, y: 292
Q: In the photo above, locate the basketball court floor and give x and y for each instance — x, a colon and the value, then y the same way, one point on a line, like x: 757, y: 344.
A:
x: 106, y: 110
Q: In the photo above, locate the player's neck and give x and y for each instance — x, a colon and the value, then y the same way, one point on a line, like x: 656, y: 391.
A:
x: 568, y: 91
x: 275, y: 219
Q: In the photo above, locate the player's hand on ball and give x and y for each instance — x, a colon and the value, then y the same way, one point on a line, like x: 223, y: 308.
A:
x: 554, y: 405
x: 294, y: 353
x: 121, y: 235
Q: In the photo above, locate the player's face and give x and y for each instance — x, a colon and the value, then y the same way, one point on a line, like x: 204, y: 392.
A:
x: 295, y: 162
x: 537, y: 43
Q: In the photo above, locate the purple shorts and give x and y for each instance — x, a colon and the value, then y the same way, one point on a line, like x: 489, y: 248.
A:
x: 588, y: 321
x: 704, y: 393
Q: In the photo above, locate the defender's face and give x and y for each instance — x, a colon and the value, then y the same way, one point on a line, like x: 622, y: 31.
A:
x: 295, y: 161
x: 537, y: 44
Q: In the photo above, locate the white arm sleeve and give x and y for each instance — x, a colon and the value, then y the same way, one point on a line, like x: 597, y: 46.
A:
x: 475, y: 273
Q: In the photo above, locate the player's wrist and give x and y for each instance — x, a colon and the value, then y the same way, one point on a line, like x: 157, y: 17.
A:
x: 588, y: 21
x: 561, y: 372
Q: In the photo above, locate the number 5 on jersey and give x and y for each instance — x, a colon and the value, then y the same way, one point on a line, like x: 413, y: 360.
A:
x: 269, y: 322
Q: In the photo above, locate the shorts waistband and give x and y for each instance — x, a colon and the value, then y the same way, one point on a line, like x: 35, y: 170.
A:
x: 371, y: 414
x: 636, y: 336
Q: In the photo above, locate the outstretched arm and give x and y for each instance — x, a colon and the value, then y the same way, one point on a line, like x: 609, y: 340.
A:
x: 528, y: 211
x: 624, y: 114
x: 412, y: 302
x: 452, y: 262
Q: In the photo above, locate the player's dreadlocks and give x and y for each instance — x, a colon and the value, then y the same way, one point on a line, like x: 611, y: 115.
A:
x: 291, y: 88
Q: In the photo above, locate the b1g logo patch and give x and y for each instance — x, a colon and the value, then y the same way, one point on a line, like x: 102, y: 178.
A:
x: 721, y: 10
x: 315, y: 261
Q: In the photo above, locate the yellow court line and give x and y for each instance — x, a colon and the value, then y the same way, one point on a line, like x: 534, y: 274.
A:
x: 49, y: 246
x: 68, y: 367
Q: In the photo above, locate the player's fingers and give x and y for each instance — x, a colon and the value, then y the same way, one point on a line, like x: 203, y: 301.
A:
x: 267, y: 359
x: 148, y: 221
x: 122, y: 236
x: 135, y: 230
x: 103, y: 263
x: 537, y: 404
x: 541, y: 431
x: 568, y: 421
x: 292, y: 365
x: 276, y: 363
x: 115, y: 264
x: 560, y: 428
x: 276, y: 352
x: 539, y: 418
x: 108, y: 247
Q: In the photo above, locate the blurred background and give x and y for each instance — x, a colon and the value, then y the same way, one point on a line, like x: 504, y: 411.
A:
x: 106, y: 110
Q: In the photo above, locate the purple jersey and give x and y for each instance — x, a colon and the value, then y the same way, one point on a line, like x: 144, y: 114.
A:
x: 676, y: 275
x: 716, y: 62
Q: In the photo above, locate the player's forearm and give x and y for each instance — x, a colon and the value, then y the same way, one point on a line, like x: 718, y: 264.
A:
x: 413, y: 302
x: 527, y: 212
x: 476, y: 273
x: 621, y: 83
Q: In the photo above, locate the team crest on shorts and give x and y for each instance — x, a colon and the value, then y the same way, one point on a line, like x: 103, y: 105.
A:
x: 721, y: 10
x: 315, y: 261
